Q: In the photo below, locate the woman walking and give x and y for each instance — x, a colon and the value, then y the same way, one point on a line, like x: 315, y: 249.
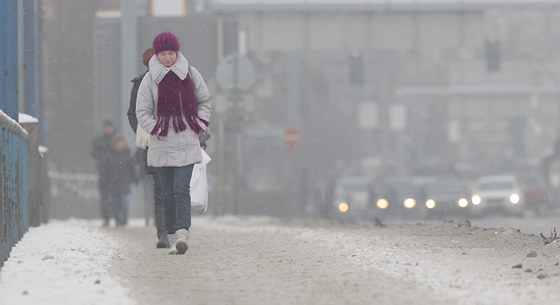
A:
x: 173, y: 105
x: 142, y: 142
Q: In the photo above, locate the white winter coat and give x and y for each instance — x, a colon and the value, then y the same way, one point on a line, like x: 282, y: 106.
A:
x: 176, y: 149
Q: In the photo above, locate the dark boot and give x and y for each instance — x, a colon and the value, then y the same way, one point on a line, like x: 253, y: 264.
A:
x: 159, y: 220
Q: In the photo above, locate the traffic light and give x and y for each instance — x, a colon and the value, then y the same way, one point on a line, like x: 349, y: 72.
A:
x: 493, y: 57
x: 356, y: 68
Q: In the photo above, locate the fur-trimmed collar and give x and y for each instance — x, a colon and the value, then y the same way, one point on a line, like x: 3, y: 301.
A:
x: 159, y: 70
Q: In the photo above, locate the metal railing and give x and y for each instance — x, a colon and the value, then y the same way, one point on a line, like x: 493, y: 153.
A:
x: 73, y: 195
x: 14, y: 187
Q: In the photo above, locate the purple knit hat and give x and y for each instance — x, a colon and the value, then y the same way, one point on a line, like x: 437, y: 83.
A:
x: 166, y: 41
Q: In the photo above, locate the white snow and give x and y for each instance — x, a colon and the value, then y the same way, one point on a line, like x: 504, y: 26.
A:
x: 9, y: 123
x: 270, y: 261
x: 26, y: 118
x: 62, y: 263
x: 43, y: 150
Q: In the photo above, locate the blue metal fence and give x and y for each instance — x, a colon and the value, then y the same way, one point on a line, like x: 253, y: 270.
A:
x: 30, y: 56
x: 14, y: 147
x: 14, y: 201
x: 32, y: 13
x: 8, y: 57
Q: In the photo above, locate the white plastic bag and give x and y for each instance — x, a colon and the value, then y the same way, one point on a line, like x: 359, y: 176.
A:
x: 142, y: 137
x: 199, y: 186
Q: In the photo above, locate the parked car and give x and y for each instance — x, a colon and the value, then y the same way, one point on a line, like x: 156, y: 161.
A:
x: 497, y: 194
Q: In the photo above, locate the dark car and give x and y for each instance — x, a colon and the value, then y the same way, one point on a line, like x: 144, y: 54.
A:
x: 448, y: 197
x: 400, y: 197
x: 535, y: 191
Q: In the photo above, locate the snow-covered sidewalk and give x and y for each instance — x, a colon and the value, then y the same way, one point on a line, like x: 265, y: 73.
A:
x: 63, y: 262
x: 259, y: 260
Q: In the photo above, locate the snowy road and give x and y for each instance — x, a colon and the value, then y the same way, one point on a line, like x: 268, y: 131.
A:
x: 528, y: 224
x: 236, y: 261
x: 263, y: 261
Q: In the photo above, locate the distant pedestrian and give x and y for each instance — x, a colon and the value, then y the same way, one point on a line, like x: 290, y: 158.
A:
x: 121, y: 176
x: 102, y: 148
x: 142, y: 142
x: 173, y: 105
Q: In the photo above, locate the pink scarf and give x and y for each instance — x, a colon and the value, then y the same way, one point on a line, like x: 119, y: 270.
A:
x: 176, y: 101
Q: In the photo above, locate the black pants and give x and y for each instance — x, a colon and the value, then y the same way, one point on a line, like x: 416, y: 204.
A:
x: 105, y: 199
x: 119, y: 206
x: 175, y: 184
x: 158, y: 196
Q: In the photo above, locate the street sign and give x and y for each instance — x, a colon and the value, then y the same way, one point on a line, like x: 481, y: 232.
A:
x: 367, y: 115
x: 291, y: 137
x: 397, y: 117
x: 235, y: 72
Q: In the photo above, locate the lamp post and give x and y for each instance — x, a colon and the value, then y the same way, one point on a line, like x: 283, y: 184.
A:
x: 235, y: 75
x: 129, y: 51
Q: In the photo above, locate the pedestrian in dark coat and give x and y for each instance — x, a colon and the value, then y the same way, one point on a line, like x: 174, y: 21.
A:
x: 102, y: 148
x: 122, y: 175
x: 142, y: 142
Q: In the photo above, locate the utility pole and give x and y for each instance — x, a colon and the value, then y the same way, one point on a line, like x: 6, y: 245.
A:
x: 235, y: 75
x: 29, y: 57
x: 235, y: 98
x: 9, y: 58
x: 129, y: 59
x: 39, y: 98
x: 384, y: 67
x: 220, y: 136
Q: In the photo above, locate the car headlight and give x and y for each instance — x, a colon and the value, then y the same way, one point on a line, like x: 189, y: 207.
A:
x: 430, y: 203
x: 409, y: 203
x: 382, y: 204
x: 514, y: 198
x: 463, y: 202
x: 476, y: 200
x: 343, y: 207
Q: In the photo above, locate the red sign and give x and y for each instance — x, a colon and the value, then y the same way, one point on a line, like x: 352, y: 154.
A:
x: 291, y: 137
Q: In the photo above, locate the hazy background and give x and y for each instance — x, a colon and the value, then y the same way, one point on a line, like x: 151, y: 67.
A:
x: 373, y: 88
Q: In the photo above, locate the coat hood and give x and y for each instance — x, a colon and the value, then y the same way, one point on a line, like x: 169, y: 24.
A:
x: 159, y: 70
